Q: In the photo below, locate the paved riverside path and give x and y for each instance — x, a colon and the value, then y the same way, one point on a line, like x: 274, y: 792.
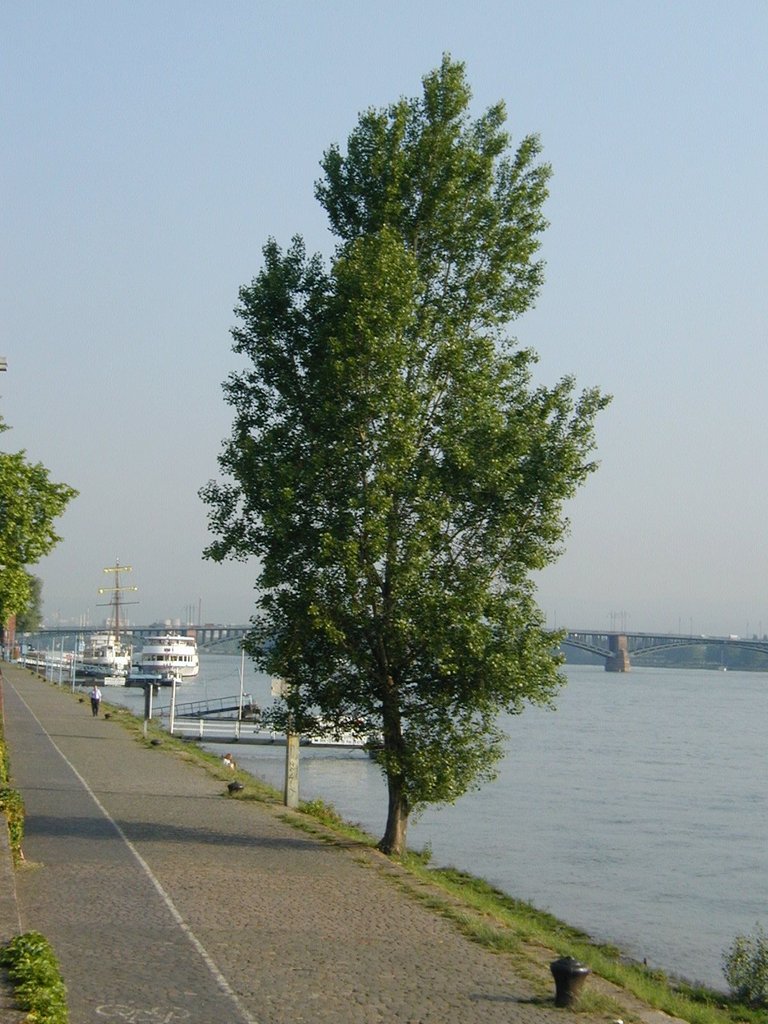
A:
x: 168, y: 901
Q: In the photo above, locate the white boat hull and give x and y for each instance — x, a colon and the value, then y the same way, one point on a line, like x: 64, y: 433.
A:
x: 105, y: 655
x: 170, y: 654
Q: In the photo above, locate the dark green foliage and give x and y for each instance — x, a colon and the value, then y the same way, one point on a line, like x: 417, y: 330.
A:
x: 29, y: 619
x: 12, y: 806
x: 11, y: 802
x: 745, y: 965
x: 34, y: 972
x: 391, y: 466
x: 29, y: 504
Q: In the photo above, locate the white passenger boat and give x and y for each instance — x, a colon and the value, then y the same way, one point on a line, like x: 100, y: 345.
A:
x: 170, y: 654
x: 105, y: 654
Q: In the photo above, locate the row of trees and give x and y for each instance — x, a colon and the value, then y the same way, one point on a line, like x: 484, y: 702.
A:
x: 392, y: 467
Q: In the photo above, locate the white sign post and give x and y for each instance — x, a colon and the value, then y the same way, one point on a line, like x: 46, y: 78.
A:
x: 172, y: 719
x: 147, y: 705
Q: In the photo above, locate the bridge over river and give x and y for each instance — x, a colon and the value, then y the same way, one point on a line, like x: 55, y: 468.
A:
x: 209, y: 637
x: 618, y: 649
x: 621, y: 649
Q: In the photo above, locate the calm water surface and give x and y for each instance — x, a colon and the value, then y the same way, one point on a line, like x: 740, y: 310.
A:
x: 637, y: 810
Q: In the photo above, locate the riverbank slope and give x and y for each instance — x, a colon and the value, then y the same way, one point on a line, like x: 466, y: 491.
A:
x: 166, y: 898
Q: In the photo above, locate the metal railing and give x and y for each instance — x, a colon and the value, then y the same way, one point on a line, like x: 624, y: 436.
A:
x: 215, y: 706
x: 232, y: 730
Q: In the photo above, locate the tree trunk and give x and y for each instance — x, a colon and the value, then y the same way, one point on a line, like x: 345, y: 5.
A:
x: 393, y: 840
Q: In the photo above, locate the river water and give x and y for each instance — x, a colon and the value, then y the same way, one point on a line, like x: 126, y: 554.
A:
x: 637, y: 810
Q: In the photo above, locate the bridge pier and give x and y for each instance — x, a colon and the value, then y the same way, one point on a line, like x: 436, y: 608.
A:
x: 619, y: 657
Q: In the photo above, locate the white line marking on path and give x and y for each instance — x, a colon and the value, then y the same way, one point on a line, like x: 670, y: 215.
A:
x: 219, y: 978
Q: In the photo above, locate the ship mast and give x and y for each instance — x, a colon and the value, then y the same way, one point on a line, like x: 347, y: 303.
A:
x: 117, y: 591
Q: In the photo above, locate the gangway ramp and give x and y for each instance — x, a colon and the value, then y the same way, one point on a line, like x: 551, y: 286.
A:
x: 216, y: 707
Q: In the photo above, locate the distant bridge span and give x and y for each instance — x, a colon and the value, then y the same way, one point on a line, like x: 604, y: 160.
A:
x: 618, y: 649
x: 208, y: 636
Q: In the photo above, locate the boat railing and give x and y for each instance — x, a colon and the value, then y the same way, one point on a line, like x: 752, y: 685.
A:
x: 43, y: 659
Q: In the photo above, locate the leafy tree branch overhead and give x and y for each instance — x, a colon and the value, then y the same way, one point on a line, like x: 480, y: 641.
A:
x: 391, y: 465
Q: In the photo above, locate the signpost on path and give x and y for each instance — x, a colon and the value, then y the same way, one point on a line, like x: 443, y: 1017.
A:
x: 147, y: 705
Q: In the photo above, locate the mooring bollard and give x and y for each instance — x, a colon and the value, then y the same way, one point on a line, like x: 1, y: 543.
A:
x: 569, y: 975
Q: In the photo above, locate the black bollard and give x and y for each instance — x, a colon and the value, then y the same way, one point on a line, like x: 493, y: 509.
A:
x: 569, y: 975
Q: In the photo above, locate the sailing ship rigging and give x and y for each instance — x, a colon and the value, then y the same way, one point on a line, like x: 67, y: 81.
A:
x: 106, y: 654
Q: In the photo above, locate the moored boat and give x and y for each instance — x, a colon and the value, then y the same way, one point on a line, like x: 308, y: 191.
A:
x: 170, y: 654
x: 105, y: 654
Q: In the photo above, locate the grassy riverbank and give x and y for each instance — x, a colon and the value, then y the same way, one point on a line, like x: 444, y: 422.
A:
x: 528, y: 939
x: 618, y: 987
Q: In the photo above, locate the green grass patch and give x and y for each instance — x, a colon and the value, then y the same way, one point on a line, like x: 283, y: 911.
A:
x: 34, y: 973
x: 327, y: 815
x: 12, y: 806
x: 5, y: 768
x: 11, y: 803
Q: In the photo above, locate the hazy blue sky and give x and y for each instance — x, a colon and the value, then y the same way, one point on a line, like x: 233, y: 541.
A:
x: 151, y: 147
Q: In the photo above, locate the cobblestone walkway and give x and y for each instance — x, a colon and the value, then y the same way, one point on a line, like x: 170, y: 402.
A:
x: 168, y: 901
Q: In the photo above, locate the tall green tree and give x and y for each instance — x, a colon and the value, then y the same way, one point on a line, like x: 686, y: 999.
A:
x: 391, y: 464
x: 30, y: 618
x: 30, y: 502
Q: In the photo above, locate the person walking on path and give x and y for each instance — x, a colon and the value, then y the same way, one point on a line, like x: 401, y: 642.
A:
x: 95, y: 696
